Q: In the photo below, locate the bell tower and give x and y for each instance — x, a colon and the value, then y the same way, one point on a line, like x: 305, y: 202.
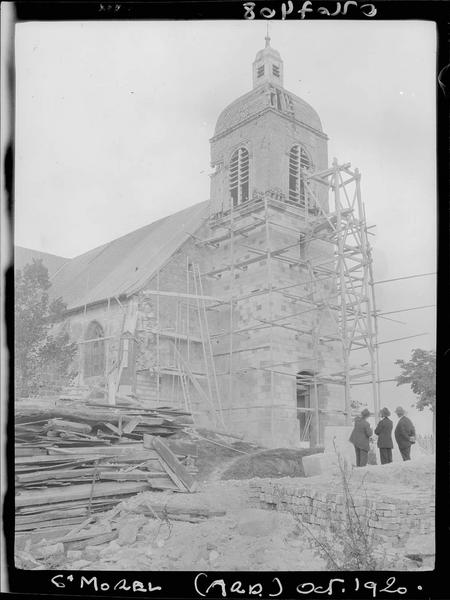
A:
x: 262, y: 260
x: 266, y: 141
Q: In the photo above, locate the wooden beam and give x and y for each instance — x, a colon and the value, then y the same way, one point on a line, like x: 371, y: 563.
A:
x: 168, y: 457
x: 116, y: 450
x: 244, y: 350
x: 53, y: 514
x: 181, y: 295
x: 77, y: 492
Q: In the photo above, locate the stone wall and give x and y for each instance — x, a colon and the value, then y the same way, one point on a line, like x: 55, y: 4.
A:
x: 390, y: 518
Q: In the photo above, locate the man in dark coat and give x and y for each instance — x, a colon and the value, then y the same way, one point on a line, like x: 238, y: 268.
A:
x: 384, y: 432
x: 405, y: 434
x: 360, y: 438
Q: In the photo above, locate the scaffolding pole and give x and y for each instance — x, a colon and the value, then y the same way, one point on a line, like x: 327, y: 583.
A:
x: 347, y: 266
x: 231, y: 324
x: 270, y: 286
x: 158, y: 355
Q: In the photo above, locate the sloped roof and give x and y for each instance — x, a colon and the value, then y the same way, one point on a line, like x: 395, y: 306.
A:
x: 24, y: 256
x: 124, y: 265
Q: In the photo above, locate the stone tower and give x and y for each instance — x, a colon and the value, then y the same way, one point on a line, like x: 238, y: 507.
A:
x: 271, y: 129
x: 271, y: 346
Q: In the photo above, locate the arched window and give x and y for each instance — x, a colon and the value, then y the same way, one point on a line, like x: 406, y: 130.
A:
x: 299, y: 162
x: 94, y: 351
x: 239, y: 176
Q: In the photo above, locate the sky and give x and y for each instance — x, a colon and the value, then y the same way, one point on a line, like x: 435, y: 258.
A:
x: 113, y: 121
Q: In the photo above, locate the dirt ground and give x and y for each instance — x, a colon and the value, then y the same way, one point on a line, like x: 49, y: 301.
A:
x: 245, y: 537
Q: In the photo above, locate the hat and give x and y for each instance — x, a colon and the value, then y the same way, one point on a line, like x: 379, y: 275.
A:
x: 400, y: 410
x: 365, y: 413
x: 385, y: 412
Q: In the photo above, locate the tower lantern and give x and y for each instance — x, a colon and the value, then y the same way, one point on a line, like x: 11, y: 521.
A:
x: 268, y: 66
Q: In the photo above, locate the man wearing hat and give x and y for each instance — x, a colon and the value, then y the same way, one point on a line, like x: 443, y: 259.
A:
x: 384, y: 432
x: 360, y: 438
x: 405, y: 434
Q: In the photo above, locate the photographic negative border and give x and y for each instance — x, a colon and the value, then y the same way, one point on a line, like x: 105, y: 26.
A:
x: 432, y: 584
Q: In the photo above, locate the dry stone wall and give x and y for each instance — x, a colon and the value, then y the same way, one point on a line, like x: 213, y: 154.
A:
x: 390, y: 518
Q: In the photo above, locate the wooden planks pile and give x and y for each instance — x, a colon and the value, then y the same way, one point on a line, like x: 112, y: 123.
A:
x: 65, y: 485
x: 92, y: 423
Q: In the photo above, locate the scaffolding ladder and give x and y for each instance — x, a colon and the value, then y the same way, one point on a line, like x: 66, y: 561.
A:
x: 210, y: 368
x: 188, y: 375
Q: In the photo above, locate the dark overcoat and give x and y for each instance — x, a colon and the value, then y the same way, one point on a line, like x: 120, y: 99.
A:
x: 403, y: 431
x: 384, y: 432
x: 361, y: 434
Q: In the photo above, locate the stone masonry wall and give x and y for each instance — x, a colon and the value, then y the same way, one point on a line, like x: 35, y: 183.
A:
x: 390, y: 518
x: 258, y: 403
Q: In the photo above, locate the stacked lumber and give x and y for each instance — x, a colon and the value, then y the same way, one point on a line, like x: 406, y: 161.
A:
x: 66, y: 485
x: 67, y: 423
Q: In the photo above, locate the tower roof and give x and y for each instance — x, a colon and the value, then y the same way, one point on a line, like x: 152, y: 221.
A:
x: 253, y: 103
x: 268, y: 93
x: 267, y: 51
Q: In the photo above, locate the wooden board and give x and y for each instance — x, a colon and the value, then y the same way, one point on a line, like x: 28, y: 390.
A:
x: 182, y: 447
x: 82, y: 503
x: 29, y: 451
x: 48, y: 516
x: 175, y: 510
x: 54, y: 474
x: 95, y: 541
x: 76, y: 492
x: 92, y: 532
x: 130, y: 426
x: 123, y: 461
x: 69, y: 425
x: 76, y: 455
x: 52, y: 523
x: 115, y: 450
x: 130, y: 476
x: 166, y: 455
x: 176, y: 480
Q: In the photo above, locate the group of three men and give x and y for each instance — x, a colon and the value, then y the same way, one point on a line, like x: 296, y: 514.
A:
x: 362, y: 432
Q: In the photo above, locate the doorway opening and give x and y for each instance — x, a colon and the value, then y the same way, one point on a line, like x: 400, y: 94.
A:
x: 305, y: 410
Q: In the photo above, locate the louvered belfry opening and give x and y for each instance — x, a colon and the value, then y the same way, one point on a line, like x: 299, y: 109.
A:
x: 239, y: 177
x: 299, y: 162
x: 94, y: 353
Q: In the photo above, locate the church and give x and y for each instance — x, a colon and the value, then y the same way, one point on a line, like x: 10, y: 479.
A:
x: 242, y: 309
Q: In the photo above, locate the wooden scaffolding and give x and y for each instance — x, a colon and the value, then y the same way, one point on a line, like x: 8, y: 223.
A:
x: 347, y: 267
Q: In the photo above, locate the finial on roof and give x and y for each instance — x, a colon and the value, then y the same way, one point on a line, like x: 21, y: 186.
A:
x: 267, y: 38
